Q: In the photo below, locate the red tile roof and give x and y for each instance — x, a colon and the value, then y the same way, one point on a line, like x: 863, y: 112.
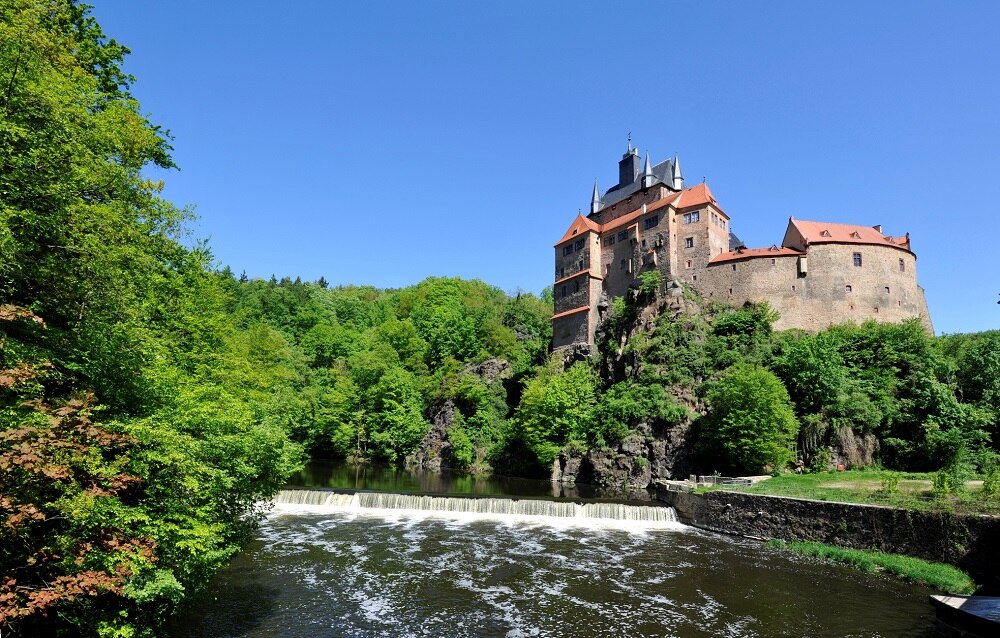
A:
x: 698, y: 195
x: 829, y: 233
x: 755, y: 253
x: 570, y: 312
x: 575, y: 275
x: 579, y: 226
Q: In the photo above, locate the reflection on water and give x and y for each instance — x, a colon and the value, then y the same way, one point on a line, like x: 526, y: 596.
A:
x: 339, y: 475
x: 318, y: 574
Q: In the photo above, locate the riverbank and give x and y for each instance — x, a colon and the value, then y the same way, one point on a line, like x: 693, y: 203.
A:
x: 903, y: 490
x: 966, y: 541
x: 945, y: 578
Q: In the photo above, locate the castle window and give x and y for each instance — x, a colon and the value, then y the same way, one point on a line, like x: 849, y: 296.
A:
x: 773, y: 262
x: 887, y: 290
x: 734, y: 266
x: 563, y: 291
x: 689, y: 242
x: 793, y: 287
x: 622, y: 235
x: 848, y: 288
x: 607, y: 269
x: 578, y: 245
x: 902, y: 265
x: 568, y: 249
x: 857, y: 259
x: 643, y: 243
x: 622, y: 265
x: 651, y: 222
x: 609, y: 240
x: 690, y: 218
x: 694, y: 277
x: 688, y: 263
x: 576, y: 286
x: 730, y: 291
x: 581, y: 265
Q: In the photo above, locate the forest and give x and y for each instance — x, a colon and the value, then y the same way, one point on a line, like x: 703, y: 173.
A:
x: 152, y: 401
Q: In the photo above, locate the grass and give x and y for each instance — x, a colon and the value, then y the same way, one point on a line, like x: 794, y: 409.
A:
x: 878, y: 487
x: 942, y: 577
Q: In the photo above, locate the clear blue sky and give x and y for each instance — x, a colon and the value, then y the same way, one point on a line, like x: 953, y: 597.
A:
x: 381, y: 143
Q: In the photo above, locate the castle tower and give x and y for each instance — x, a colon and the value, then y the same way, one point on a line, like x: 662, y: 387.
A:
x: 628, y: 167
x: 647, y: 173
x: 676, y: 178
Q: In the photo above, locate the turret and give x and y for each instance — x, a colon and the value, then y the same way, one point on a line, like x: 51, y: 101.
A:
x: 677, y: 178
x: 647, y: 173
x: 595, y: 200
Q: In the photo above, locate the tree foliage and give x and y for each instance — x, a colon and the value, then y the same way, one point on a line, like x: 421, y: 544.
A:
x: 140, y: 426
x: 752, y: 426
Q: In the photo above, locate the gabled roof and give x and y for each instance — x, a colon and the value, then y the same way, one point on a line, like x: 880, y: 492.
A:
x: 699, y: 195
x: 755, y: 253
x: 830, y: 233
x: 579, y: 226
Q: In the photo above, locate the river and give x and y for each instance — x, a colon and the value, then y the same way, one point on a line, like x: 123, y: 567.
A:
x: 319, y: 570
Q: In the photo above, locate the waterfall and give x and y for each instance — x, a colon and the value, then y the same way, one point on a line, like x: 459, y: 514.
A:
x: 488, y: 507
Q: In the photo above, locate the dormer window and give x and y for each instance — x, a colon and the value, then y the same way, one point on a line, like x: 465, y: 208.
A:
x: 825, y: 233
x: 856, y: 235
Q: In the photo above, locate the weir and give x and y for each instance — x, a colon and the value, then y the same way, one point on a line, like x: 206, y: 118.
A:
x: 566, y: 511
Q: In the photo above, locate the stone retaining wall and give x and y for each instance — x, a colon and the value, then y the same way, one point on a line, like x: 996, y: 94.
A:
x: 971, y: 542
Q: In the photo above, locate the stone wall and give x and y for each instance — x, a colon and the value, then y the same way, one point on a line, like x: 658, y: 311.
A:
x: 631, y: 203
x: 967, y: 541
x: 832, y: 291
x: 570, y: 329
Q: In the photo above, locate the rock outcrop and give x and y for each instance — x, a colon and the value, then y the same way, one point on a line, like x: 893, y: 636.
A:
x: 434, y: 451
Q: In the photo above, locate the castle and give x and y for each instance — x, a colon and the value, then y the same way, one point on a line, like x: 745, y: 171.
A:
x: 821, y: 273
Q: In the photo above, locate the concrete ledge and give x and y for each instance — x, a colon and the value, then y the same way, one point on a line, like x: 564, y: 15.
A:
x: 969, y: 542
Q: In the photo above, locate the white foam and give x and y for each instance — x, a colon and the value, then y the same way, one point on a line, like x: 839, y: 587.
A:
x: 408, y: 509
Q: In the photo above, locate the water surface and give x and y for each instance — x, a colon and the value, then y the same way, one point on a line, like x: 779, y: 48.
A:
x: 324, y: 572
x: 340, y: 475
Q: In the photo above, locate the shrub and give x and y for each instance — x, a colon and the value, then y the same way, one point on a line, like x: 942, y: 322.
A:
x: 751, y: 425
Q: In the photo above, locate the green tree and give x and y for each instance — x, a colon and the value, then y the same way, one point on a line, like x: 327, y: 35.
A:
x: 751, y: 424
x: 556, y: 409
